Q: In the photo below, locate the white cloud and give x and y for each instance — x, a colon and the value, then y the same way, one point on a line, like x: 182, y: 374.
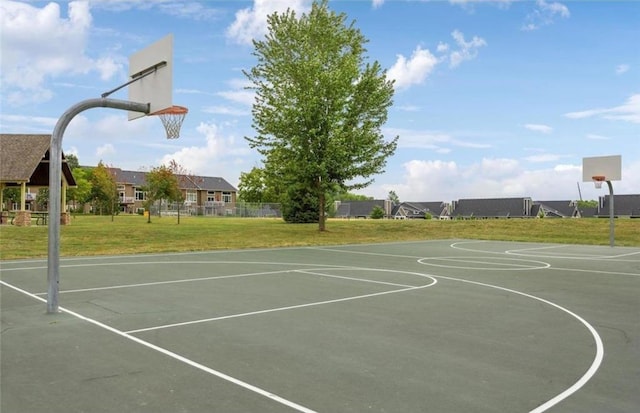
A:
x: 545, y: 14
x: 212, y: 159
x: 377, y: 3
x: 104, y: 150
x: 620, y: 69
x: 539, y: 128
x: 226, y: 110
x: 251, y: 23
x: 245, y: 97
x: 414, y: 70
x: 467, y: 50
x: 498, y: 167
x: 546, y: 157
x: 628, y: 112
x: 38, y: 43
x: 189, y: 10
x: 436, y: 180
x: 419, y: 139
x: 418, y: 67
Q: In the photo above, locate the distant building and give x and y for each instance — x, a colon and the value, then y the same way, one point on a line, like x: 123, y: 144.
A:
x: 557, y: 209
x: 493, y: 208
x: 420, y: 210
x: 624, y: 206
x: 362, y: 209
x: 203, y: 195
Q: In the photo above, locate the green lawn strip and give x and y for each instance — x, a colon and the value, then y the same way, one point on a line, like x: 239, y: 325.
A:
x: 131, y: 234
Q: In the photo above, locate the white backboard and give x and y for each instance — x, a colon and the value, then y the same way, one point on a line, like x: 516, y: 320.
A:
x: 157, y: 87
x: 608, y: 166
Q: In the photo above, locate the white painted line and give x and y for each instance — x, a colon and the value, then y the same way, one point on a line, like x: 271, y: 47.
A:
x: 355, y: 279
x: 109, y: 264
x: 176, y: 356
x: 186, y: 280
x: 273, y: 310
x: 596, y: 271
x: 573, y: 256
x: 508, y: 266
x: 540, y: 248
x: 364, y: 253
x: 591, y: 371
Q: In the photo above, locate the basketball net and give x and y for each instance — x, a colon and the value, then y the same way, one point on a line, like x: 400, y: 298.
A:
x: 598, y: 180
x: 172, y: 119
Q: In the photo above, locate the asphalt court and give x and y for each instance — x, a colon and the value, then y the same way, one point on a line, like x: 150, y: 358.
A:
x: 433, y: 326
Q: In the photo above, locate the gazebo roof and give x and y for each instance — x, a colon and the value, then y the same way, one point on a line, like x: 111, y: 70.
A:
x: 25, y: 158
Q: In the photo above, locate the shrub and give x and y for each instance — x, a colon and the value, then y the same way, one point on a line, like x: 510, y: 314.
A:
x: 377, y: 212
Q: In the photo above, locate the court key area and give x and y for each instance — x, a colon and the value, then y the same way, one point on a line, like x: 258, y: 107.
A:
x: 433, y: 326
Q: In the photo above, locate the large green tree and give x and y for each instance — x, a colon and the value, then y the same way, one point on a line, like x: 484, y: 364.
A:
x: 81, y: 194
x: 104, y: 190
x: 161, y: 184
x: 256, y: 186
x: 319, y: 105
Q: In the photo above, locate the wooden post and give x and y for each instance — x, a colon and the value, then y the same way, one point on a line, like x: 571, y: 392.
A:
x: 23, y: 196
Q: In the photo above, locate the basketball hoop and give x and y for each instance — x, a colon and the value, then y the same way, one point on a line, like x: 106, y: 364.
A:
x: 598, y: 180
x: 172, y: 118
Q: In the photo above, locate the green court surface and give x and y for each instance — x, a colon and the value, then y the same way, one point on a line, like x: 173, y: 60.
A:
x: 435, y: 326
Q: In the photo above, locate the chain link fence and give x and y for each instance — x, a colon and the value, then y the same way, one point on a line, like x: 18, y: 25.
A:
x: 238, y: 210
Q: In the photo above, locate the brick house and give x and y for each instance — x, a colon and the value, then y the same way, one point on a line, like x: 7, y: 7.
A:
x: 203, y: 195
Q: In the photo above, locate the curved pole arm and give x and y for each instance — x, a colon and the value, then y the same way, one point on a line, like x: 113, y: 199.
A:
x: 55, y: 177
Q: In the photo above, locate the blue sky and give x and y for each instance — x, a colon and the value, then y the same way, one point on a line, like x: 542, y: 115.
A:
x: 493, y: 98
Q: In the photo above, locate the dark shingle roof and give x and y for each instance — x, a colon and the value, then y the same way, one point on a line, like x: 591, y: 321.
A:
x: 558, y: 208
x: 21, y: 159
x: 358, y: 208
x: 205, y: 183
x: 491, y: 208
x: 418, y: 209
x: 623, y: 205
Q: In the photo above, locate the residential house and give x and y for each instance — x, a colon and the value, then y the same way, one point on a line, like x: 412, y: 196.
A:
x: 624, y: 206
x: 412, y: 210
x: 203, y: 195
x: 493, y: 208
x: 362, y: 209
x: 556, y: 209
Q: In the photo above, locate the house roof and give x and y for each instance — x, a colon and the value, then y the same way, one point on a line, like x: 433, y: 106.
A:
x: 491, y: 207
x: 558, y: 208
x: 204, y: 183
x: 25, y: 158
x: 413, y: 209
x: 623, y: 205
x: 358, y: 208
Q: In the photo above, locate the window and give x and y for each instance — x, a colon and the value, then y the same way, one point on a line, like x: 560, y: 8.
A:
x: 140, y: 195
x: 192, y: 196
x: 226, y: 197
x: 211, y: 196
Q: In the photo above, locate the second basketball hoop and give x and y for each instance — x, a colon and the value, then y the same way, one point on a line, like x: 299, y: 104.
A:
x: 172, y: 118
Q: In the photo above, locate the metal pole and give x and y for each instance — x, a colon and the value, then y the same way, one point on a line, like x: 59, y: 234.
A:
x: 55, y: 180
x: 611, y: 224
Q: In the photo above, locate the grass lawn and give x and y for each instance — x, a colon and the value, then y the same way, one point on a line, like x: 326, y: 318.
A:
x: 131, y: 234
